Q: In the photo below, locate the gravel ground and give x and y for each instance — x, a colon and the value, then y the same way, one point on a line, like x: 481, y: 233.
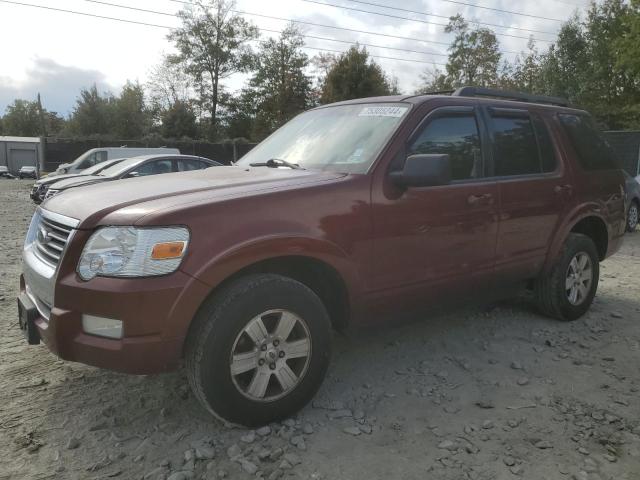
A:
x: 474, y: 393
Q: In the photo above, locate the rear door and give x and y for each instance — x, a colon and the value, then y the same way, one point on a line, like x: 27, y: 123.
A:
x: 535, y: 189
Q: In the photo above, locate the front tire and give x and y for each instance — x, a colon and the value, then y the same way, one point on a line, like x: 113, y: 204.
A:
x: 632, y: 216
x: 566, y: 292
x: 258, y: 349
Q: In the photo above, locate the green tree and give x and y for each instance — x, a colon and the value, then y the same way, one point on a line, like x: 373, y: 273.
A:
x: 474, y: 59
x: 213, y: 44
x: 525, y: 72
x: 93, y: 113
x: 179, y: 121
x: 354, y: 75
x: 22, y: 119
x: 279, y: 85
x: 474, y: 55
x: 130, y: 117
x: 240, y: 115
x: 628, y: 44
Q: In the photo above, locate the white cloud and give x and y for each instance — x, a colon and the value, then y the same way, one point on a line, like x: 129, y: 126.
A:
x: 57, y: 53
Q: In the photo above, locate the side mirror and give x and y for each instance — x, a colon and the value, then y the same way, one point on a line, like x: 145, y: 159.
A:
x: 133, y: 174
x: 423, y: 170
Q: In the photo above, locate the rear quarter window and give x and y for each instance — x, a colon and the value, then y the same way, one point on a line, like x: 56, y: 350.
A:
x: 592, y: 149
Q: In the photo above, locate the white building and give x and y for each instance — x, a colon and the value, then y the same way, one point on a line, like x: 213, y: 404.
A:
x: 16, y: 152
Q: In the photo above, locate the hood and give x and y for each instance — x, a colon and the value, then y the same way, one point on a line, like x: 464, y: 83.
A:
x: 78, y: 181
x: 146, y: 195
x: 49, y: 179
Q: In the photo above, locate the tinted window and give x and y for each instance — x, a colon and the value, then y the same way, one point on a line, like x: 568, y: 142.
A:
x: 545, y: 144
x: 457, y: 136
x: 187, y: 165
x: 156, y: 167
x: 594, y: 152
x: 515, y: 147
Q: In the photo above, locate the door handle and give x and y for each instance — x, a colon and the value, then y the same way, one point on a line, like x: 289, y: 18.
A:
x: 563, y: 189
x: 484, y: 199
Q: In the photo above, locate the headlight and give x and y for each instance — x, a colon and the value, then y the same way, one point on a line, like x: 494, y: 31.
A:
x: 133, y: 252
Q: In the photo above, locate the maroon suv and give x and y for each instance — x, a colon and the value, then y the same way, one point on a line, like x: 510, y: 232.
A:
x: 348, y: 213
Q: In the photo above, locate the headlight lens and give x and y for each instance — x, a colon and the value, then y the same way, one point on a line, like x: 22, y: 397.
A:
x: 132, y: 252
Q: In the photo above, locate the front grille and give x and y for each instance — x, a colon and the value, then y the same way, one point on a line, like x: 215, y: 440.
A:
x: 50, y: 240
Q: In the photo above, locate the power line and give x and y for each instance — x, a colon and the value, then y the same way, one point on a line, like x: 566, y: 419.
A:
x: 104, y: 17
x: 302, y: 22
x: 475, y: 22
x: 473, y: 5
x: 378, y: 56
x: 368, y: 32
x: 422, y: 52
x: 408, y: 19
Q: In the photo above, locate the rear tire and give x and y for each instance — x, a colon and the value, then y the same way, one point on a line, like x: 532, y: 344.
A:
x: 567, y: 290
x: 632, y: 216
x: 246, y: 355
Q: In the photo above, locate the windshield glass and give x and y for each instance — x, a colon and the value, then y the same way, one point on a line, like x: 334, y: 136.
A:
x: 120, y: 167
x: 101, y: 166
x: 345, y: 138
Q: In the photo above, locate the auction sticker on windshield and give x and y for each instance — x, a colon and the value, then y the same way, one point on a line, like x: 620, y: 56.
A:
x: 386, y: 111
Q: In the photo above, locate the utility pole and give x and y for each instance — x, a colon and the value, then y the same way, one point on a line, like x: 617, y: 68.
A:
x: 43, y: 123
x: 43, y: 136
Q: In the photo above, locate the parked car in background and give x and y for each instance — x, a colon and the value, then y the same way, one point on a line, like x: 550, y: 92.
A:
x: 135, y: 167
x: 632, y: 188
x: 98, y: 155
x: 4, y: 172
x: 39, y: 189
x: 27, y: 172
x: 350, y: 213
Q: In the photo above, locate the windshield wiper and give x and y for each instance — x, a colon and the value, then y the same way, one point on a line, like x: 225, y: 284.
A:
x: 277, y: 162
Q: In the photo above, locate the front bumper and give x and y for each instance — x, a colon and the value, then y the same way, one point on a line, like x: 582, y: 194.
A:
x: 155, y: 312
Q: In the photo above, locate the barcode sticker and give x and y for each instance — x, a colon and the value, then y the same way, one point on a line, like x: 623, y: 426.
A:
x: 382, y: 111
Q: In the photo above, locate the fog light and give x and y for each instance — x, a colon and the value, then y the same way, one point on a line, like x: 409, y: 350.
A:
x: 103, y: 327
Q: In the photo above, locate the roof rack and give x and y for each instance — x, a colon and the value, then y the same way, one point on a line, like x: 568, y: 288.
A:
x: 507, y: 95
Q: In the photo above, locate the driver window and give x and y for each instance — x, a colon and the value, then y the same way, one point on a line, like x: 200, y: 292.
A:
x: 457, y: 136
x: 89, y: 161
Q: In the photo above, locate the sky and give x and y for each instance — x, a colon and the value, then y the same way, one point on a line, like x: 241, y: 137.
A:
x: 58, y: 53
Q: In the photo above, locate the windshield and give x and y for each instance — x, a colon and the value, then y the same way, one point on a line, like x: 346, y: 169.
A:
x: 344, y: 138
x: 101, y: 166
x: 120, y: 167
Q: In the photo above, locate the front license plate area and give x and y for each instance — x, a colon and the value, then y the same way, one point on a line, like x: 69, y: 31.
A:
x: 27, y: 315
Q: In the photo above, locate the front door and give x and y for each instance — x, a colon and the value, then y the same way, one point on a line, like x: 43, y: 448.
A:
x: 432, y: 240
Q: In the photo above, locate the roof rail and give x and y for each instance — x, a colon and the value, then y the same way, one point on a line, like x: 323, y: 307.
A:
x: 507, y: 95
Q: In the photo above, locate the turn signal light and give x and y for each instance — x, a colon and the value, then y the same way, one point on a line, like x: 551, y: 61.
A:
x: 166, y: 250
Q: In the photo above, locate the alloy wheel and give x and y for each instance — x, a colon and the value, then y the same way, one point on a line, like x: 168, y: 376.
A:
x: 270, y: 356
x: 579, y: 278
x: 632, y: 220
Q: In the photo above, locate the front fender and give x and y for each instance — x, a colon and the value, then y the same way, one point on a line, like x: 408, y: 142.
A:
x: 225, y: 264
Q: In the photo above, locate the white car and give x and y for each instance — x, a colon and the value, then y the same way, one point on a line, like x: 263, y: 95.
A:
x: 98, y: 155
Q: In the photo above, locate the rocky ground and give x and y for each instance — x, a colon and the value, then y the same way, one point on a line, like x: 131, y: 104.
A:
x: 471, y: 394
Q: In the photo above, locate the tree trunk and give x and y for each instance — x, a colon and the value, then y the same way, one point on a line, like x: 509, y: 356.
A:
x: 214, y: 103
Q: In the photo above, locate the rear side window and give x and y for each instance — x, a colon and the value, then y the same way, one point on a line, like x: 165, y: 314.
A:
x: 457, y: 136
x: 157, y: 167
x: 185, y: 165
x: 594, y: 152
x: 515, y: 146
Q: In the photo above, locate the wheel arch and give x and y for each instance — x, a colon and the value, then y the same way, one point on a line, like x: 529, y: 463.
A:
x: 320, y: 265
x: 588, y: 223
